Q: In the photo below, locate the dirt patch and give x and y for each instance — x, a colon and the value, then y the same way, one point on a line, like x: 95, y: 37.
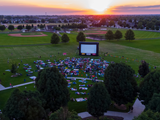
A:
x: 121, y: 107
x: 19, y: 35
x: 110, y: 117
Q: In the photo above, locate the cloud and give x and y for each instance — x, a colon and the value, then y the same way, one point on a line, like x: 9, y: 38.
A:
x: 155, y: 9
x: 34, y: 10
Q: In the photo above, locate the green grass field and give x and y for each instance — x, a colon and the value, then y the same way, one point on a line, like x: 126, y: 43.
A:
x: 148, y: 50
x: 138, y: 34
x: 9, y: 40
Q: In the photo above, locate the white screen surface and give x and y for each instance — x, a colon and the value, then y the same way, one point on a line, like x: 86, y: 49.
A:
x: 85, y: 48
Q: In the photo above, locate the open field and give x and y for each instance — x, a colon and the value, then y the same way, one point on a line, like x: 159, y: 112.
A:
x: 138, y: 34
x: 9, y: 40
x: 138, y: 50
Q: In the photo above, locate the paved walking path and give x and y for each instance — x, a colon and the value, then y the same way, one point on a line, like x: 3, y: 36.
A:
x: 6, y: 88
x: 138, y: 108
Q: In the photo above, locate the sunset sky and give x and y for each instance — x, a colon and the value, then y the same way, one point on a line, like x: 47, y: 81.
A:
x: 78, y: 7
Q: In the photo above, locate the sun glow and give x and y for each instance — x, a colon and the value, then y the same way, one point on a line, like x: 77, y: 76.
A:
x: 99, y: 5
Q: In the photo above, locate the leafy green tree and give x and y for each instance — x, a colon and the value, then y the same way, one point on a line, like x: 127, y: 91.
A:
x: 65, y: 38
x: 98, y: 101
x: 120, y: 83
x: 28, y: 27
x: 3, y: 117
x: 53, y: 87
x: 154, y: 103
x: 2, y: 27
x: 11, y: 27
x: 26, y: 105
x: 139, y: 25
x: 32, y: 25
x: 109, y: 35
x: 147, y: 28
x: 103, y: 21
x: 41, y: 26
x: 143, y: 69
x: 153, y: 28
x: 149, y: 86
x: 157, y: 27
x: 111, y: 23
x: 129, y: 35
x: 55, y: 39
x: 64, y: 114
x: 81, y: 37
x: 19, y: 27
x: 14, y: 68
x: 148, y: 115
x: 118, y: 35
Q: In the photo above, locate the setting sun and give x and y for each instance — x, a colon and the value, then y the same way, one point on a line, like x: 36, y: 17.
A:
x: 99, y: 5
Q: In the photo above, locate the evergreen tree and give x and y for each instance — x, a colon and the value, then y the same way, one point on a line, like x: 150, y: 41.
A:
x: 14, y: 68
x: 120, y: 83
x: 109, y: 35
x: 53, y: 87
x: 98, y: 101
x: 143, y: 69
x: 154, y: 103
x: 26, y: 105
x: 129, y: 35
x: 11, y: 27
x: 64, y: 114
x: 118, y: 35
x: 65, y: 38
x: 81, y: 37
x: 149, y: 86
x: 55, y: 39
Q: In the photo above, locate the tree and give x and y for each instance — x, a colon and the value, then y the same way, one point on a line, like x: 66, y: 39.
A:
x: 148, y: 115
x: 55, y: 39
x: 11, y: 27
x: 153, y: 28
x: 98, y: 101
x: 109, y: 35
x: 32, y: 25
x: 103, y: 21
x: 143, y: 69
x: 147, y: 28
x: 154, y: 103
x: 28, y: 27
x: 41, y: 26
x: 42, y: 20
x: 3, y: 117
x: 149, y: 86
x: 2, y: 27
x: 118, y: 35
x: 20, y: 27
x: 81, y: 37
x: 157, y: 27
x: 64, y: 114
x: 53, y: 88
x: 26, y: 105
x: 120, y: 83
x: 65, y: 38
x: 111, y: 23
x: 14, y: 68
x: 129, y: 35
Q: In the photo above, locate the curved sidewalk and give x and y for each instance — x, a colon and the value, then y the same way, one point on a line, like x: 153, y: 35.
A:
x: 138, y: 108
